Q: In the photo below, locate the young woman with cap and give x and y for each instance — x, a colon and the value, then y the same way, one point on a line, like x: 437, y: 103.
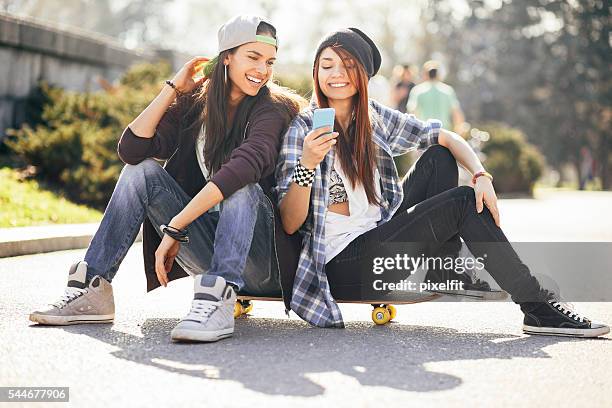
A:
x: 342, y: 192
x: 219, y: 137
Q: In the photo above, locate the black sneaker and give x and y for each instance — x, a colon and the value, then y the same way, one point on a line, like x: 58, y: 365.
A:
x: 473, y: 288
x: 554, y: 318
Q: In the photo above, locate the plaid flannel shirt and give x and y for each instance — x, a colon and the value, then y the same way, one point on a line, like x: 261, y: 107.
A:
x: 394, y: 133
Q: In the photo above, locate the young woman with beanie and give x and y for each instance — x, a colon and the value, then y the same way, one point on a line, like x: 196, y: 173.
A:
x: 340, y: 190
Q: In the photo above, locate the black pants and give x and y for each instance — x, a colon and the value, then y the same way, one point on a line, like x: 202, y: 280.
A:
x: 432, y: 217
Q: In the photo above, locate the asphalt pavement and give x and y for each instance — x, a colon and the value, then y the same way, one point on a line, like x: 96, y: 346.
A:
x: 435, y: 354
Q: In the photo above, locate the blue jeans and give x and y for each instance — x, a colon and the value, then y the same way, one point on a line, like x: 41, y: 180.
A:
x: 221, y: 243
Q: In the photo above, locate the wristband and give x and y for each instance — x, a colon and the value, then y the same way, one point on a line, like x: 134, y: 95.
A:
x: 175, y: 233
x: 302, y: 176
x: 481, y: 173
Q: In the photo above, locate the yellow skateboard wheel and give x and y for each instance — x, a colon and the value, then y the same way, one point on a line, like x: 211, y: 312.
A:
x: 381, y: 315
x: 392, y: 311
x: 249, y: 307
x: 238, y: 310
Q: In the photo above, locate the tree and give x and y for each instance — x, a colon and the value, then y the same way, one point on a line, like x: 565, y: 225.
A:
x: 539, y: 65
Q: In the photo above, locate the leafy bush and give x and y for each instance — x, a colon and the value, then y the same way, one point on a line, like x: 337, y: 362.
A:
x: 74, y: 145
x: 515, y: 164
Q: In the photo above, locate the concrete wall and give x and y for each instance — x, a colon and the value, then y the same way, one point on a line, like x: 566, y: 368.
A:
x: 31, y: 51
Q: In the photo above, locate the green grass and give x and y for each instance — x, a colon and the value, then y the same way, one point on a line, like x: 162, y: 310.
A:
x: 25, y: 203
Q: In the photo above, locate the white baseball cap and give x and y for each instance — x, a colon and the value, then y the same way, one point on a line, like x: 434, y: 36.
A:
x: 242, y: 29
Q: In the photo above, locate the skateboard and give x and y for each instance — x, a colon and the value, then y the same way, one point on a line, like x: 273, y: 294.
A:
x: 383, y: 310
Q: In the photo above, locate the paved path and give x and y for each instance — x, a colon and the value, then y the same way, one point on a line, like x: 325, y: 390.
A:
x: 437, y: 354
x: 567, y: 216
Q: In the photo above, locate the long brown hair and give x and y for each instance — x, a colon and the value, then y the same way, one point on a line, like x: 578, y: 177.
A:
x: 210, y: 104
x: 354, y: 148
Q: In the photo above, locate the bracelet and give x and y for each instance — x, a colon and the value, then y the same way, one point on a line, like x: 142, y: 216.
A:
x: 482, y: 173
x: 302, y: 176
x: 175, y: 233
x: 171, y: 84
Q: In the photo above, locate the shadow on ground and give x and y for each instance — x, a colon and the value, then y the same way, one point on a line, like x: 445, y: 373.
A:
x: 275, y: 356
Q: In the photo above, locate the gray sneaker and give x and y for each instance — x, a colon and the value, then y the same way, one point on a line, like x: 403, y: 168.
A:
x: 211, y: 317
x: 80, y: 303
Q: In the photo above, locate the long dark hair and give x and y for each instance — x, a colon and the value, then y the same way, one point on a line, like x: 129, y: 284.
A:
x: 355, y: 148
x: 211, y: 102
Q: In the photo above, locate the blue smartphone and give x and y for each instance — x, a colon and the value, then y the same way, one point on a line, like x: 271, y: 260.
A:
x: 323, y: 117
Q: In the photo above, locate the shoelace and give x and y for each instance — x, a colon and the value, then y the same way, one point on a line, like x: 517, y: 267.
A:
x: 202, y: 309
x: 566, y: 308
x: 69, y: 295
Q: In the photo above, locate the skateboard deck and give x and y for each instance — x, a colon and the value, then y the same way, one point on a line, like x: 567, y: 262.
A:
x: 383, y: 309
x: 382, y: 300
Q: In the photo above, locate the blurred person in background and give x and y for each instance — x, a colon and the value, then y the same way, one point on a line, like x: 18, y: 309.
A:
x: 586, y: 167
x: 433, y: 99
x: 401, y: 86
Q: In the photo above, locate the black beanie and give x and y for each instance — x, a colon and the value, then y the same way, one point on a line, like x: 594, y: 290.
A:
x: 358, y: 44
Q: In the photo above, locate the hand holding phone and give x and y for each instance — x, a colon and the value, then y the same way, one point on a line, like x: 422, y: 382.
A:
x: 319, y: 141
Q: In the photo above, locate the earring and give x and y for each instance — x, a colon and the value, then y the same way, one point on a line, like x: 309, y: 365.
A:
x: 225, y: 70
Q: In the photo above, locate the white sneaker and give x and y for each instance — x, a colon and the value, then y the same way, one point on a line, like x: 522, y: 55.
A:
x: 80, y: 303
x: 211, y: 317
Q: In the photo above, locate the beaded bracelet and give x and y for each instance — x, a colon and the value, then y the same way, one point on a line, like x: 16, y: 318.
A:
x: 171, y: 84
x: 302, y: 176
